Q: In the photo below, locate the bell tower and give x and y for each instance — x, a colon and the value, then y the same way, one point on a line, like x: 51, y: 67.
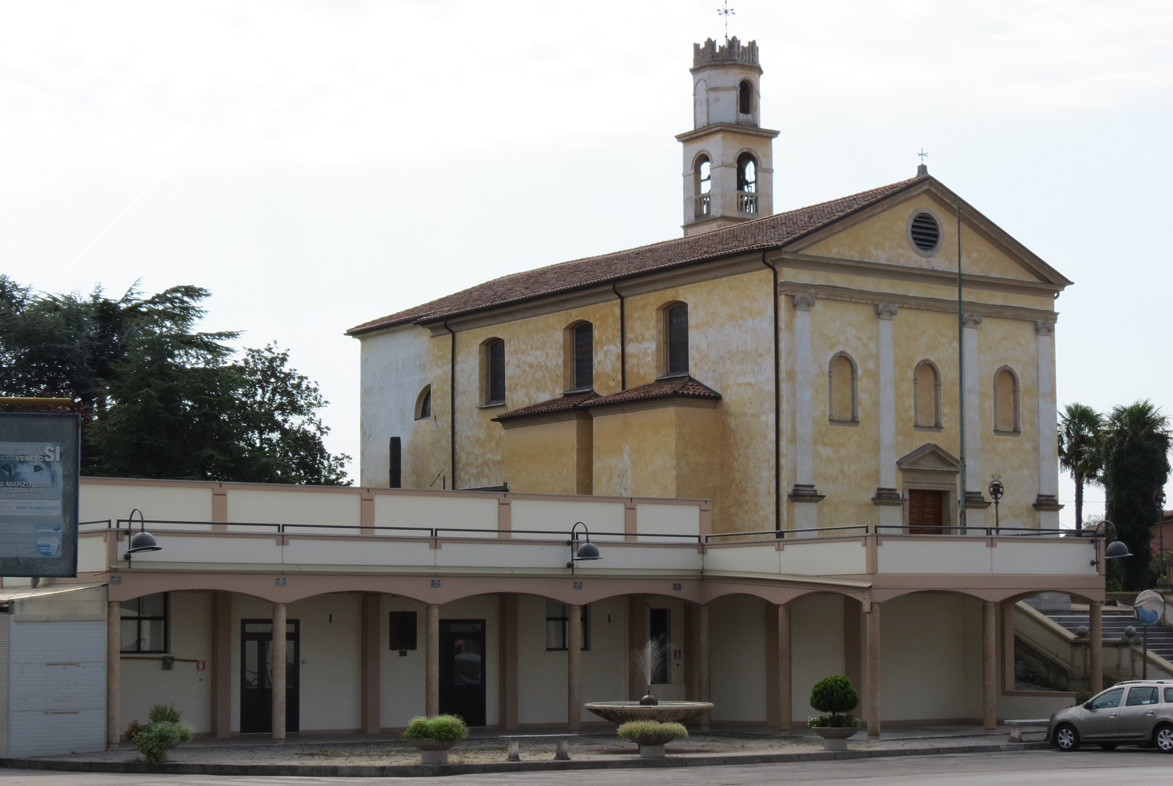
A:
x: 728, y: 160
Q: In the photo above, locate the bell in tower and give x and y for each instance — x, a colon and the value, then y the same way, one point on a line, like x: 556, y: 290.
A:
x: 728, y: 165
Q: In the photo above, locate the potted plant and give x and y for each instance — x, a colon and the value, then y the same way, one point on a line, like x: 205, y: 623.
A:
x: 432, y: 737
x: 652, y: 736
x: 162, y: 732
x: 836, y: 698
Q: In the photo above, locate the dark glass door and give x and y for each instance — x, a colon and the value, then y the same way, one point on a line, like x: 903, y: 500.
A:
x: 462, y: 669
x: 256, y: 676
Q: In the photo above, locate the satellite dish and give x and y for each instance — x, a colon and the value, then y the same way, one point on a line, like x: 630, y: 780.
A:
x: 1149, y: 607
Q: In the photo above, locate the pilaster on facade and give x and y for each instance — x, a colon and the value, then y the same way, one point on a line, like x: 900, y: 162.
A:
x: 804, y: 485
x: 886, y: 465
x: 887, y: 497
x: 805, y: 492
x: 975, y: 500
x: 972, y: 399
x: 1046, y: 504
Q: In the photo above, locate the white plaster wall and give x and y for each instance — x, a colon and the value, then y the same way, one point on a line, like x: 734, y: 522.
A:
x: 271, y: 505
x: 542, y: 690
x: 558, y: 515
x: 393, y: 370
x: 331, y: 674
x: 930, y: 646
x: 816, y: 648
x: 605, y: 665
x: 402, y: 673
x: 541, y: 674
x: 738, y: 657
x: 436, y: 510
x: 145, y: 683
x: 97, y: 500
x: 652, y: 519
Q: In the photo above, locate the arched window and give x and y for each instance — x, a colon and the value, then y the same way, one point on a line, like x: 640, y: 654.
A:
x: 675, y: 345
x: 747, y: 183
x: 580, y: 356
x: 423, y: 403
x: 843, y: 382
x: 926, y: 395
x: 1006, y: 401
x: 704, y: 185
x: 745, y: 97
x: 493, y: 371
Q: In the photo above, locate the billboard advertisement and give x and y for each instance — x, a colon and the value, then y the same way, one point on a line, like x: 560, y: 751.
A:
x: 39, y: 467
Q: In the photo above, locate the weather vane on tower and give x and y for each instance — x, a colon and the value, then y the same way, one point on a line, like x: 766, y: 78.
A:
x: 726, y: 12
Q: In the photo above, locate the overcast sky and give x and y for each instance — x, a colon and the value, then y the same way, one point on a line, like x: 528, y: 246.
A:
x: 317, y: 164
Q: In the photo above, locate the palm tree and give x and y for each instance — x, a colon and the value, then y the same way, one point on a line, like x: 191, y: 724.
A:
x: 1080, y: 429
x: 1135, y: 444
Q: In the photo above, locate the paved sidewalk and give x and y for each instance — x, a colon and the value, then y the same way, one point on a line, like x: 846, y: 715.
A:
x: 387, y: 755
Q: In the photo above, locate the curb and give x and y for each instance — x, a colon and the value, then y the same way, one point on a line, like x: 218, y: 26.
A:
x: 420, y: 770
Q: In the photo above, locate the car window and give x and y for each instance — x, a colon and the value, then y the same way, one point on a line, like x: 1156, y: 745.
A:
x: 1142, y: 695
x: 1109, y: 699
x: 1169, y: 695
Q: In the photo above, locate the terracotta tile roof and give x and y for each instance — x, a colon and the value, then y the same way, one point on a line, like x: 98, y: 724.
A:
x: 564, y: 403
x: 763, y: 233
x: 672, y: 387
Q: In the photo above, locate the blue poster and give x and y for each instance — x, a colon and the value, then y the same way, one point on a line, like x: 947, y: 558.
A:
x: 38, y: 495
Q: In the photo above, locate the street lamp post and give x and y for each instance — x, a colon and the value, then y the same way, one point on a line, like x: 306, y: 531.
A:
x: 996, y: 490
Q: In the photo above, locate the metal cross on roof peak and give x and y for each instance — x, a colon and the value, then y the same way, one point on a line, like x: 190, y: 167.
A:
x: 726, y: 12
x: 922, y: 155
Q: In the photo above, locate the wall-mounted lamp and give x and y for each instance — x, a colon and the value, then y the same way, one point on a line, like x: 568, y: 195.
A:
x: 141, y: 540
x: 1117, y: 549
x: 585, y: 551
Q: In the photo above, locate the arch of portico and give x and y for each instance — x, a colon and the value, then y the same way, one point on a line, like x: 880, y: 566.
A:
x: 767, y: 640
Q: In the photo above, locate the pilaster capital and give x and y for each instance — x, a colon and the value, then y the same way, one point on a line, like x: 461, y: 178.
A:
x: 886, y: 311
x: 803, y: 302
x: 1045, y: 327
x: 971, y: 320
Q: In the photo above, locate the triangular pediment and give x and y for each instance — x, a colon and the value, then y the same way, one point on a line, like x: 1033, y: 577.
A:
x: 882, y: 235
x: 929, y: 457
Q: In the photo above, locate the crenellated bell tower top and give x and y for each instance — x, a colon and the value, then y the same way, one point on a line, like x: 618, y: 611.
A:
x: 731, y: 51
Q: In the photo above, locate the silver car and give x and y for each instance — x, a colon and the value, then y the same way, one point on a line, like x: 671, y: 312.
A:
x: 1134, y: 712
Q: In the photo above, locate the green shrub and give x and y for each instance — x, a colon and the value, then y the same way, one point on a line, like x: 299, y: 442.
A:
x: 441, y: 727
x: 833, y: 721
x: 834, y: 695
x: 1082, y: 696
x: 652, y: 732
x: 161, y: 734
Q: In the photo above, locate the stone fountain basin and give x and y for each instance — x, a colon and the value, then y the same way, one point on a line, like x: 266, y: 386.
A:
x: 665, y: 712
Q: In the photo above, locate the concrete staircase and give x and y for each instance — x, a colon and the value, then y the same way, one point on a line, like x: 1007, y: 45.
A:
x: 1115, y: 621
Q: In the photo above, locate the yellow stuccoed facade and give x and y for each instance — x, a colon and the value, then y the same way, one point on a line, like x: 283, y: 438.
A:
x: 730, y: 448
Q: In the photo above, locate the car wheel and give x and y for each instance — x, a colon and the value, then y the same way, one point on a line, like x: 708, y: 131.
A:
x: 1163, y: 738
x: 1107, y: 746
x: 1067, y: 738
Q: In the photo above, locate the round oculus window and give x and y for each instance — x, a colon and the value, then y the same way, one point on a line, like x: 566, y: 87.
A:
x: 925, y: 233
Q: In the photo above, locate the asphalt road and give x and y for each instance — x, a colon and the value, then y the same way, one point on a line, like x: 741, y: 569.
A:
x: 1133, y: 767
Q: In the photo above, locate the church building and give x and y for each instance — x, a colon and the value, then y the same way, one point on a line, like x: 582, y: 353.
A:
x: 762, y: 451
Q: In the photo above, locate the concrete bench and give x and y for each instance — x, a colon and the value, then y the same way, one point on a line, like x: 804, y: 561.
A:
x: 561, y: 750
x: 1031, y: 726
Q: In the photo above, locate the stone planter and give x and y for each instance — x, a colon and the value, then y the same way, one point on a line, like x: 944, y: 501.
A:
x: 432, y: 751
x: 651, y: 751
x: 835, y: 737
